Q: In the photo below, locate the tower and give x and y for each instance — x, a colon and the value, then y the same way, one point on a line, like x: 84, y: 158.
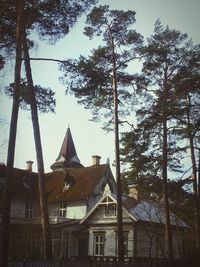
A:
x: 67, y: 157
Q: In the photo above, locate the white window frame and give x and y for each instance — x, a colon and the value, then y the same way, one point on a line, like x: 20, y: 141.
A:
x: 62, y: 210
x: 110, y: 210
x: 99, y: 244
x: 110, y: 206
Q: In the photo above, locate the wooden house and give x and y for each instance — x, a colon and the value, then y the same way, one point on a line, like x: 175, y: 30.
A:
x: 82, y: 212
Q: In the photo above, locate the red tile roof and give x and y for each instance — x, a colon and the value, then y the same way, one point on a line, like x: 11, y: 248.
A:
x: 85, y: 180
x: 25, y: 185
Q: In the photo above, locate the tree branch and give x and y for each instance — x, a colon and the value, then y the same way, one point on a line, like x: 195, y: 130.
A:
x: 54, y: 60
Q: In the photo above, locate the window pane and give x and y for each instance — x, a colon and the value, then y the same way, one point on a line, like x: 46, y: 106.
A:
x: 99, y: 244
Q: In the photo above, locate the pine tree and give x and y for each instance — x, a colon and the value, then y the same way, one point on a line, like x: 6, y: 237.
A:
x: 165, y: 53
x: 52, y: 20
x: 100, y: 81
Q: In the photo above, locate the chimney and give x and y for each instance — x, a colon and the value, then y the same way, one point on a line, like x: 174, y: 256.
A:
x: 133, y: 192
x: 29, y: 165
x: 96, y: 160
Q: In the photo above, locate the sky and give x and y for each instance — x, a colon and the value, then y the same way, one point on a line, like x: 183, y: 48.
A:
x: 88, y: 136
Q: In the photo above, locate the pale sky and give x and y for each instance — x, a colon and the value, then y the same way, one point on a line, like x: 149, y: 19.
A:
x: 88, y: 136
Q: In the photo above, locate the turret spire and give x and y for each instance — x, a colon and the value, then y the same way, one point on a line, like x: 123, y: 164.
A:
x: 67, y: 157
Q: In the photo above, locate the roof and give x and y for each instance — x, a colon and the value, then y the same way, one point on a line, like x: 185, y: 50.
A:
x: 141, y: 211
x: 84, y: 181
x: 67, y: 157
x: 23, y: 183
x: 150, y: 211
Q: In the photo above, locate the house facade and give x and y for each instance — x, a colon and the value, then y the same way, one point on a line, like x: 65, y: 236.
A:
x: 143, y: 228
x: 82, y: 212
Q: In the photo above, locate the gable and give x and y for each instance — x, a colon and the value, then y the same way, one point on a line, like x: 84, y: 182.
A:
x: 105, y: 211
x: 106, y: 180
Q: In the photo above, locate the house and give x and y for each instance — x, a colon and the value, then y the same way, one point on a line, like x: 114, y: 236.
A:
x: 82, y: 212
x: 143, y: 228
x: 72, y: 190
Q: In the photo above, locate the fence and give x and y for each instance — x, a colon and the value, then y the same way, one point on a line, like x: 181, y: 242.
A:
x: 102, y: 262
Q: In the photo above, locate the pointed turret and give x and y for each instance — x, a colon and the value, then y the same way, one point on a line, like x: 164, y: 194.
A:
x: 67, y: 157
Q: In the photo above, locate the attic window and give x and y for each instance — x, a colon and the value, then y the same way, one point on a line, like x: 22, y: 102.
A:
x: 107, y: 200
x: 110, y: 210
x: 110, y: 206
x: 68, y: 181
x: 66, y: 184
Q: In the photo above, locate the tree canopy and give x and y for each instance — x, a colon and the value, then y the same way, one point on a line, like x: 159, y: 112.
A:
x: 90, y: 80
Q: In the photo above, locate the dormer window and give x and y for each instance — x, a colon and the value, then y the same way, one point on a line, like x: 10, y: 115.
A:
x: 68, y: 181
x: 66, y: 185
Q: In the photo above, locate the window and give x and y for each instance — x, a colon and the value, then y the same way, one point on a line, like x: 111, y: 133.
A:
x: 125, y: 243
x: 56, y: 243
x: 160, y: 245
x: 68, y: 181
x: 99, y: 243
x: 110, y: 206
x: 110, y: 210
x: 62, y: 209
x: 65, y: 245
x: 66, y: 184
x: 29, y: 210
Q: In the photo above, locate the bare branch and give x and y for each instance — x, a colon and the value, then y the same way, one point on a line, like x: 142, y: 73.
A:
x: 54, y: 60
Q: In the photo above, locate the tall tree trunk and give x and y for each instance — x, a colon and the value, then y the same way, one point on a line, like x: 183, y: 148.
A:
x: 39, y: 155
x: 168, y: 233
x: 198, y: 200
x: 117, y: 158
x: 198, y: 185
x: 196, y: 196
x: 194, y: 178
x: 4, y: 246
